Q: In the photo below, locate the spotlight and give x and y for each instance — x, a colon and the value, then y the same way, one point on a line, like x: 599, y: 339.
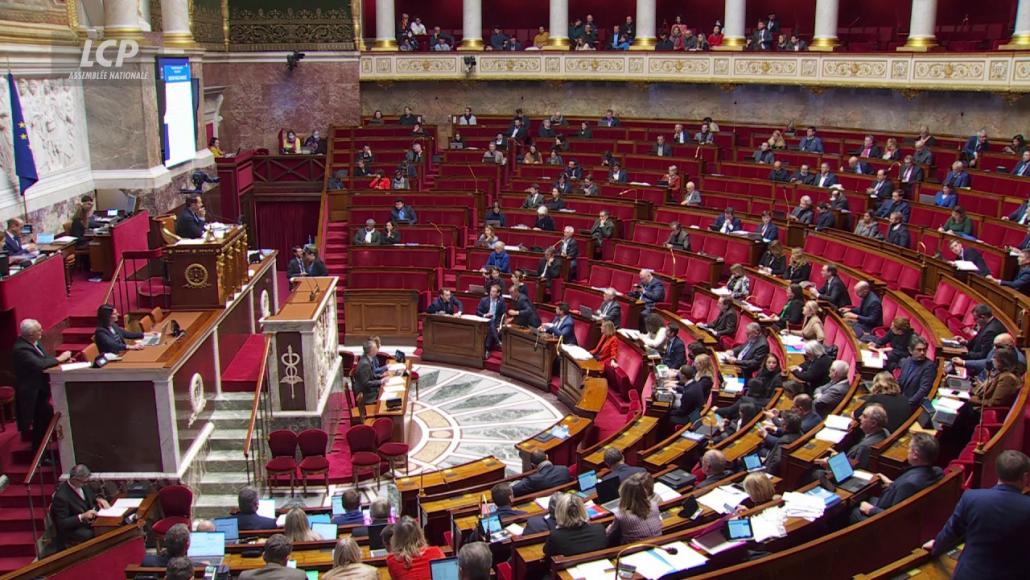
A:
x: 293, y: 59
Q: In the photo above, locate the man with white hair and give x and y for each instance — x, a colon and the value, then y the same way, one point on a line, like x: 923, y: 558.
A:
x: 650, y: 290
x: 981, y: 366
x: 803, y: 213
x: 543, y: 222
x: 610, y: 309
x: 568, y: 249
x: 750, y: 355
x: 828, y: 396
x: 31, y: 383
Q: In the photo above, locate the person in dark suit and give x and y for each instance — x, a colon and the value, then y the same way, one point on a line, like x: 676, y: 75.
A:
x: 749, y: 356
x: 679, y: 239
x: 921, y: 473
x: 517, y: 130
x: 568, y: 249
x: 769, y: 232
x: 522, y: 310
x: 31, y: 383
x: 897, y: 233
x: 247, y: 517
x: 803, y: 176
x: 974, y: 146
x: 609, y: 119
x: 715, y: 466
x: 445, y: 303
x: 988, y: 327
x: 761, y: 38
x: 543, y: 221
x: 277, y: 555
x: 779, y: 173
x: 661, y: 148
x: 540, y: 524
x: 378, y: 513
x: 825, y: 177
x: 910, y: 173
x: 174, y: 544
x: 763, y: 154
x: 993, y: 523
x: 725, y: 323
x: 803, y: 213
x: 575, y: 534
x: 790, y: 428
x: 1020, y: 215
x: 969, y: 255
x: 726, y: 222
x: 958, y: 176
x: 858, y: 167
x: 826, y: 219
x: 896, y: 203
x: 815, y: 371
x: 547, y: 475
x: 352, y: 514
x: 1021, y: 283
x: 917, y: 372
x: 365, y: 381
x: 869, y: 313
x: 492, y: 307
x: 881, y: 187
x: 369, y: 236
x: 563, y: 325
x: 869, y: 149
x: 500, y: 496
x: 549, y: 267
x: 1022, y: 169
x: 617, y: 467
x: 609, y: 309
x: 295, y: 267
x: 190, y: 221
x: 109, y: 337
x: 833, y: 290
x: 810, y: 143
x: 617, y: 174
x: 692, y: 396
x: 74, y: 507
x: 649, y: 289
x: 402, y: 214
x: 312, y: 264
x: 675, y: 349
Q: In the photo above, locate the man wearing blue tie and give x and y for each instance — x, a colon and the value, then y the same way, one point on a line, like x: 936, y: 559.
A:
x: 492, y: 307
x: 768, y: 229
x: 563, y: 325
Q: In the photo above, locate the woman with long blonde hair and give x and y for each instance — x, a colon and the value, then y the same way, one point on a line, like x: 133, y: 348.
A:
x: 409, y: 552
x: 298, y: 529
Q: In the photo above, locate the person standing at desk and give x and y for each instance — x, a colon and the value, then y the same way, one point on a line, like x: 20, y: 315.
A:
x: 563, y: 325
x: 312, y: 265
x: 110, y: 337
x: 492, y: 307
x: 32, y: 386
x: 83, y: 221
x: 365, y: 381
x: 402, y: 214
x: 190, y: 222
x: 523, y: 310
x: 13, y: 245
x: 295, y: 267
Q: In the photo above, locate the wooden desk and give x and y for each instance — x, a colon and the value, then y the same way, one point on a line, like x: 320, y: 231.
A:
x: 487, y: 469
x: 528, y: 355
x: 573, y: 376
x: 390, y: 314
x: 595, y: 393
x: 560, y: 451
x: 205, y: 273
x: 639, y: 433
x: 169, y: 390
x: 919, y: 565
x: 305, y: 367
x: 457, y: 340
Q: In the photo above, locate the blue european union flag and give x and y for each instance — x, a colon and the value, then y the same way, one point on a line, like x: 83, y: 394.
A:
x: 24, y: 164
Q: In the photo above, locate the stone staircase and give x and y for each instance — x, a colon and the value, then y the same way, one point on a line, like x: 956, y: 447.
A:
x: 224, y: 471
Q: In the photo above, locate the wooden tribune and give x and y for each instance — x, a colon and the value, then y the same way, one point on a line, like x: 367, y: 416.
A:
x: 455, y: 340
x: 206, y: 273
x: 528, y: 355
x: 390, y: 314
x: 573, y: 377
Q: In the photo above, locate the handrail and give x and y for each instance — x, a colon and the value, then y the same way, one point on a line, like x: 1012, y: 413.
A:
x: 42, y: 448
x: 257, y: 397
x: 114, y: 281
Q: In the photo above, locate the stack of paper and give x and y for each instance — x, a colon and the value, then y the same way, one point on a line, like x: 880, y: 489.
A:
x: 722, y: 291
x: 769, y: 523
x: 120, y: 507
x: 800, y: 505
x: 595, y: 569
x: 947, y: 404
x: 664, y: 492
x: 838, y: 422
x: 655, y: 563
x: 474, y: 317
x: 630, y: 333
x: 65, y: 239
x: 965, y: 266
x: 830, y: 434
x: 723, y: 499
x: 75, y: 366
x: 872, y: 359
x: 577, y: 352
x: 751, y: 307
x: 732, y: 384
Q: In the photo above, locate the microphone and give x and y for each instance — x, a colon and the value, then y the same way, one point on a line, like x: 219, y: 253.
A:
x: 438, y: 231
x: 667, y: 549
x: 697, y: 152
x: 475, y: 180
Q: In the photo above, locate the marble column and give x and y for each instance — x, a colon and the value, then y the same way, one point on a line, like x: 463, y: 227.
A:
x: 921, y: 30
x: 472, y: 25
x: 558, y: 33
x: 825, y: 37
x: 175, y: 21
x: 121, y: 19
x: 733, y: 26
x: 386, y: 35
x: 645, y: 38
x: 1021, y: 35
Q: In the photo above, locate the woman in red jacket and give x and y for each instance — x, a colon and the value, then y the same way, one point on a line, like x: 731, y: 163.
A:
x: 607, y: 349
x: 409, y: 553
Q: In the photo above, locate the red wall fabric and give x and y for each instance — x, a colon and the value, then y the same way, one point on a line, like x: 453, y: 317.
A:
x: 109, y: 564
x: 792, y: 13
x: 282, y: 225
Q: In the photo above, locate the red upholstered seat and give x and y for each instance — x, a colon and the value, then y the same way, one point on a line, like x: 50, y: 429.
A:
x: 365, y: 459
x: 283, y: 446
x: 362, y: 442
x: 393, y: 448
x: 312, y: 444
x: 313, y: 464
x: 162, y: 526
x: 281, y: 464
x: 176, y: 502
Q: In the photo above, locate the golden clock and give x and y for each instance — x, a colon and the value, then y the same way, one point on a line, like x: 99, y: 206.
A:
x: 196, y: 276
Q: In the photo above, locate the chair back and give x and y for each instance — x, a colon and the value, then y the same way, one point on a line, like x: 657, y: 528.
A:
x: 176, y: 501
x: 157, y: 314
x: 90, y: 352
x: 312, y: 442
x: 384, y: 430
x: 145, y: 323
x: 361, y: 438
x: 359, y: 400
x: 282, y: 443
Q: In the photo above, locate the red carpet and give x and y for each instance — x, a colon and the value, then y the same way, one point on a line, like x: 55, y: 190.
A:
x: 242, y: 372
x: 609, y: 420
x: 17, y: 545
x: 339, y: 457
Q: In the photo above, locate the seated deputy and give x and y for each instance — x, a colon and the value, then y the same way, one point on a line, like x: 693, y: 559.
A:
x: 109, y: 337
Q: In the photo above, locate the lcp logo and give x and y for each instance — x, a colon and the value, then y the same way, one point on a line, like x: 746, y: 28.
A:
x: 102, y: 54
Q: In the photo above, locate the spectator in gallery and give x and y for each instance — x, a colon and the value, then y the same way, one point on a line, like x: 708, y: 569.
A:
x: 541, y: 38
x: 379, y: 182
x: 715, y: 38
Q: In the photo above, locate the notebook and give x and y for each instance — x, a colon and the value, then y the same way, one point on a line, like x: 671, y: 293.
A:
x: 753, y: 462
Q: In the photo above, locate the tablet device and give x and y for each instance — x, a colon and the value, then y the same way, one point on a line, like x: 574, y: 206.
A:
x: 337, y: 505
x: 587, y: 481
x: 753, y: 462
x: 841, y: 467
x: 444, y: 569
x: 318, y: 519
x: 325, y: 530
x: 739, y: 529
x: 375, y: 536
x: 490, y: 524
x: 607, y: 490
x: 690, y: 508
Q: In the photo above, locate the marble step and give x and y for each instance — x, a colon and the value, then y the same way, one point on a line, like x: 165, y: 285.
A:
x: 226, y: 439
x: 224, y: 483
x: 213, y: 505
x: 235, y: 402
x: 227, y: 460
x: 231, y: 419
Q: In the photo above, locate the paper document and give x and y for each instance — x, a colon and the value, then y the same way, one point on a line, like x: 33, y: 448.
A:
x: 722, y: 499
x: 800, y: 505
x: 965, y: 266
x: 732, y: 384
x: 952, y: 405
x: 830, y: 434
x: 664, y: 492
x: 769, y: 524
x: 654, y: 563
x: 838, y: 422
x: 120, y: 507
x: 591, y: 570
x: 577, y: 352
x: 872, y: 359
x: 630, y: 333
x: 65, y: 239
x: 474, y: 317
x: 722, y: 291
x: 792, y: 340
x: 515, y: 529
x: 75, y: 366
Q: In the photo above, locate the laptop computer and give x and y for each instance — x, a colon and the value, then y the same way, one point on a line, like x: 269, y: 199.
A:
x: 586, y: 311
x: 608, y: 493
x: 926, y: 414
x: 153, y: 338
x: 842, y: 471
x: 266, y: 507
x: 587, y: 483
x: 444, y: 569
x: 492, y: 529
x: 207, y: 548
x: 326, y: 530
x: 230, y: 527
x: 958, y: 383
x: 477, y: 289
x: 739, y: 529
x: 753, y: 462
x: 337, y: 505
x: 375, y: 540
x: 318, y: 519
x: 44, y: 238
